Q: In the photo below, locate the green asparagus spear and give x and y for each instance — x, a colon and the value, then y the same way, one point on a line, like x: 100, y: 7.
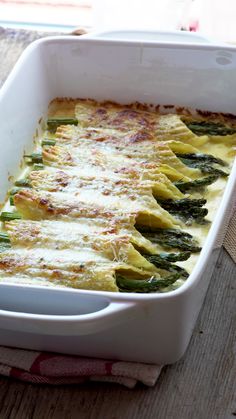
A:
x: 34, y: 158
x: 4, y: 238
x: 11, y: 200
x: 190, y: 215
x: 207, y: 158
x: 188, y: 209
x: 48, y: 142
x: 173, y: 242
x: 5, y: 243
x: 181, y: 204
x: 38, y: 166
x: 211, y: 170
x: 24, y: 183
x: 165, y: 232
x: 53, y: 123
x: 209, y: 128
x: 204, y: 167
x: 175, y: 257
x: 8, y: 216
x: 171, y: 238
x: 197, y: 183
x: 145, y: 285
x: 164, y: 264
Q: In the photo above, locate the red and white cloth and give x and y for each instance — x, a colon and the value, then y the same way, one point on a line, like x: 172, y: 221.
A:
x: 51, y: 368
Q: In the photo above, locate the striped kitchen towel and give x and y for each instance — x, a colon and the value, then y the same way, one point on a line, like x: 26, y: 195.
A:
x: 55, y: 369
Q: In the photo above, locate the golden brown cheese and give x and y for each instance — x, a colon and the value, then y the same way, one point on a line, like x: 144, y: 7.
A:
x: 39, y: 205
x: 99, y: 182
x: 140, y: 146
x: 70, y: 181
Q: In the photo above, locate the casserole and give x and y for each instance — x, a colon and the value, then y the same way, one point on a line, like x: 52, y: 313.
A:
x: 103, y: 324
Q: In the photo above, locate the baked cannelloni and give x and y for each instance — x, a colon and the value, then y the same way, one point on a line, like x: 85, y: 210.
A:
x: 115, y: 197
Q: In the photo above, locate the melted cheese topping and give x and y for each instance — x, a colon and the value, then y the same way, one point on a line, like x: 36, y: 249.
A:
x: 101, y: 180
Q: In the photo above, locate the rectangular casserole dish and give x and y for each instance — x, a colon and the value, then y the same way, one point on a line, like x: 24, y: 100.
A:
x: 153, y: 328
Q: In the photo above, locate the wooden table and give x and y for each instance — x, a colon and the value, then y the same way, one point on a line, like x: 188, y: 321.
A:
x: 202, y: 385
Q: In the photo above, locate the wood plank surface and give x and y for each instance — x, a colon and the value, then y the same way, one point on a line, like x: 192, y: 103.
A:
x: 200, y: 386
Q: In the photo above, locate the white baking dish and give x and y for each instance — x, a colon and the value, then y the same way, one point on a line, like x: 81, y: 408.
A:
x: 153, y: 328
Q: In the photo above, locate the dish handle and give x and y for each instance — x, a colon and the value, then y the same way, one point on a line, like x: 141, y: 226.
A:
x: 113, y: 313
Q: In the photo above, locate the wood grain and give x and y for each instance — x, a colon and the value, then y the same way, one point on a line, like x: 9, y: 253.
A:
x: 200, y: 386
